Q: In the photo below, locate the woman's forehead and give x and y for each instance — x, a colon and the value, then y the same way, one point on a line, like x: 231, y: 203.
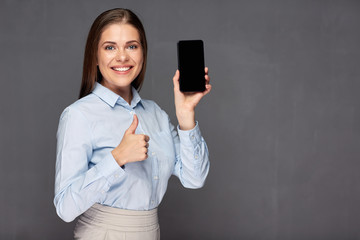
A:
x: 119, y: 32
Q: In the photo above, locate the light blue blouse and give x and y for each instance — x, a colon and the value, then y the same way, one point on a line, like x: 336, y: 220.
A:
x: 87, y: 173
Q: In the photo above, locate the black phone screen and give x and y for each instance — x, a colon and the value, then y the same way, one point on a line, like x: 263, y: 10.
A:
x: 191, y: 65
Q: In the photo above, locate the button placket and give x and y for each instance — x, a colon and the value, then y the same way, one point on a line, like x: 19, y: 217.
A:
x: 155, y: 177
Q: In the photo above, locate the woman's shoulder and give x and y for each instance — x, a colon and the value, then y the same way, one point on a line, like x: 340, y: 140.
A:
x: 85, y: 102
x: 81, y: 106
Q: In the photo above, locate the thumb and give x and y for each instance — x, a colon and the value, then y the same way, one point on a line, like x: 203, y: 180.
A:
x: 176, y: 79
x: 133, y: 126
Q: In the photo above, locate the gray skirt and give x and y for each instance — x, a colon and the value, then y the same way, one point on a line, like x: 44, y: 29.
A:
x: 108, y: 223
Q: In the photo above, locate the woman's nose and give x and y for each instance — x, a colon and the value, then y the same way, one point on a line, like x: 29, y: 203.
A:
x: 121, y: 55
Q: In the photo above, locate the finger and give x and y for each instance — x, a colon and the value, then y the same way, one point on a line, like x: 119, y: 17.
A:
x: 207, y: 79
x: 147, y: 145
x: 207, y: 90
x: 143, y: 156
x: 176, y: 79
x: 147, y: 138
x: 133, y: 126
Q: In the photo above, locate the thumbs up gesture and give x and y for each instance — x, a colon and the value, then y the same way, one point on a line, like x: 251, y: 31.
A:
x: 133, y: 147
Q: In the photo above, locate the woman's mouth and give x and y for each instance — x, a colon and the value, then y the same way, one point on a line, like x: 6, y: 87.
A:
x: 121, y: 69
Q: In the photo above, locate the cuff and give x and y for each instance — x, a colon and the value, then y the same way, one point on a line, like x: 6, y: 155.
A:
x: 109, y: 168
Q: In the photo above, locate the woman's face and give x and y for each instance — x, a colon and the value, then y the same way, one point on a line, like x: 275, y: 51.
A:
x: 119, y: 57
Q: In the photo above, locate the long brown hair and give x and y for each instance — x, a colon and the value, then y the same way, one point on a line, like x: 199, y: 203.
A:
x: 91, y: 72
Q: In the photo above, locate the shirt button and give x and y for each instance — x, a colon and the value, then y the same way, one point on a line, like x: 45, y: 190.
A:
x: 192, y: 137
x: 156, y: 177
x: 117, y: 175
x: 153, y: 153
x: 196, y: 156
x: 132, y: 113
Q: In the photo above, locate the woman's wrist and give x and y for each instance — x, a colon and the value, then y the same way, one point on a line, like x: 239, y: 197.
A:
x: 115, y: 156
x: 186, y: 119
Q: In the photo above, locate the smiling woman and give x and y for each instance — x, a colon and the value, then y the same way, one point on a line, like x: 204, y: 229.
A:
x: 116, y: 151
x: 91, y: 73
x: 120, y: 58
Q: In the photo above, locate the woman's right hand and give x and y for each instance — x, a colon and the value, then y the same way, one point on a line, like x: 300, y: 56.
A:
x: 133, y: 147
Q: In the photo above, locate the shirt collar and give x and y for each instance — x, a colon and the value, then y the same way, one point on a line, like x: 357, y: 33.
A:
x: 112, y: 98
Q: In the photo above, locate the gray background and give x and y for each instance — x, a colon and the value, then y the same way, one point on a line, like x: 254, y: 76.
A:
x: 282, y: 122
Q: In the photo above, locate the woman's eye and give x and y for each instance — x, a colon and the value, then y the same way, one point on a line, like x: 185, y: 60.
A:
x: 109, y: 48
x: 132, y: 47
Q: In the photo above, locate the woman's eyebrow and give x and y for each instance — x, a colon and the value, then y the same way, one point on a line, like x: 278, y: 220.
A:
x: 132, y: 41
x: 108, y: 42
x: 114, y: 43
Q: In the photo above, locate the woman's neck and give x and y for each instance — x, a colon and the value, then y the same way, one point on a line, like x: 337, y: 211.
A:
x: 124, y: 92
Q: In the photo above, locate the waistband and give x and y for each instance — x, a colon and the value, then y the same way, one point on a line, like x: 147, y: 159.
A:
x: 118, y: 219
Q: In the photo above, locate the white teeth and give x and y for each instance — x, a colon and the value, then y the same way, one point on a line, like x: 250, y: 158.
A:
x: 122, y: 69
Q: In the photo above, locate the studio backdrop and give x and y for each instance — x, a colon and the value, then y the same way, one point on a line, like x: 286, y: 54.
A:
x: 282, y: 121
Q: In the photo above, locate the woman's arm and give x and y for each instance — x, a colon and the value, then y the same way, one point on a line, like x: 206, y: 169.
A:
x: 192, y: 156
x: 77, y: 187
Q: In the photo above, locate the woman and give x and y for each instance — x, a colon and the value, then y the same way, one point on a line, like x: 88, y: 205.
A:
x: 116, y: 151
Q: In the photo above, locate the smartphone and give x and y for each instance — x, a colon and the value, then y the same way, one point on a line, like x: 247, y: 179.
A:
x: 191, y: 65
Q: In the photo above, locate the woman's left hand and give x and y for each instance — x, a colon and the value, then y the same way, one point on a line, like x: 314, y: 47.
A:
x: 185, y: 102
